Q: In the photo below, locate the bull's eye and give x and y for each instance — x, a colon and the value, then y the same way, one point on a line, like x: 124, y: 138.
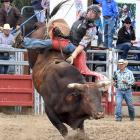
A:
x: 69, y: 98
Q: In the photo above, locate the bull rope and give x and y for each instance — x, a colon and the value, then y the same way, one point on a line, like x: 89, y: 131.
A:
x: 27, y: 20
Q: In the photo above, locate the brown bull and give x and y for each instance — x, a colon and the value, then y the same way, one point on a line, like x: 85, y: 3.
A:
x: 67, y: 96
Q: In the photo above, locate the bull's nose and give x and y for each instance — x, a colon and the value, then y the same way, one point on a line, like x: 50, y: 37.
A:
x: 98, y: 115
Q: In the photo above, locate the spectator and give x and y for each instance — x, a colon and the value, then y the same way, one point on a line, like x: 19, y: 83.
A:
x: 110, y: 14
x: 125, y: 12
x: 6, y: 38
x: 10, y: 15
x: 126, y: 38
x: 40, y: 7
x: 99, y: 26
x: 124, y: 80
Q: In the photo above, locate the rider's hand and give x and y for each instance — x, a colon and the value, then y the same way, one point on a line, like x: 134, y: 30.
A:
x: 124, y: 81
x: 70, y: 60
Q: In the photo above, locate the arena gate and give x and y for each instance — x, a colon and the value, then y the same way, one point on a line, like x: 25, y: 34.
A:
x: 15, y: 89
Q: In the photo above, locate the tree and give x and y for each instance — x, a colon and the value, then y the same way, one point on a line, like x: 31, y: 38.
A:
x: 20, y: 3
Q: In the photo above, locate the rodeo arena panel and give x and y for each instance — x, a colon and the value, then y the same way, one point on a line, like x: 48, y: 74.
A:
x: 27, y: 112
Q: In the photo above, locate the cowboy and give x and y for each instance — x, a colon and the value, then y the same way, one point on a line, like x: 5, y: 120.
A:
x: 124, y: 79
x: 79, y: 37
x: 10, y: 15
x: 6, y: 39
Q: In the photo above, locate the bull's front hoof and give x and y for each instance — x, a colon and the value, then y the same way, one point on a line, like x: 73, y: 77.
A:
x: 63, y: 131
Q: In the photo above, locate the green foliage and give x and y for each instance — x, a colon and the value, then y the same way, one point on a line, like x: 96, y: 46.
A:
x: 20, y: 3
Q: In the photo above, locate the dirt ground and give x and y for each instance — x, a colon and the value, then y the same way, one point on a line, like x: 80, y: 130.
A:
x: 30, y: 127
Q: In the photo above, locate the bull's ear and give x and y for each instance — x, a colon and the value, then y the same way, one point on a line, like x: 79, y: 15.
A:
x: 78, y: 86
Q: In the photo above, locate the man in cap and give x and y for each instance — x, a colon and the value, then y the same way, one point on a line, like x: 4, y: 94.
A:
x: 6, y: 39
x: 124, y: 80
x: 126, y: 38
x: 10, y: 15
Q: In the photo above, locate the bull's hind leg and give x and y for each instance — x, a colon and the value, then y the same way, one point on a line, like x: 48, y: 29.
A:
x: 81, y: 126
x: 55, y: 121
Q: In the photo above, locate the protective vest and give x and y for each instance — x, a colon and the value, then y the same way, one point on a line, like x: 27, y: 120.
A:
x: 78, y: 30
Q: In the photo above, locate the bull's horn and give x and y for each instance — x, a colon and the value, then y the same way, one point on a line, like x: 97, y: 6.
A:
x: 104, y: 85
x: 76, y: 86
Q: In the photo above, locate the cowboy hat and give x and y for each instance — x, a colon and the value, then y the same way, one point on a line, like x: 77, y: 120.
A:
x: 6, y: 27
x: 122, y: 61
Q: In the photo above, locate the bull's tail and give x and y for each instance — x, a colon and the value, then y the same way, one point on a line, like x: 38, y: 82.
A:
x: 56, y: 8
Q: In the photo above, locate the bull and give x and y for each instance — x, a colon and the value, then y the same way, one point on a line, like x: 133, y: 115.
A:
x: 67, y: 96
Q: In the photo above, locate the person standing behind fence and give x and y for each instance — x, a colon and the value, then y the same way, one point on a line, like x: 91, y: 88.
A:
x: 125, y: 12
x: 124, y: 80
x: 110, y: 14
x: 40, y: 9
x: 10, y: 15
x: 6, y: 38
x: 98, y: 23
x: 126, y: 38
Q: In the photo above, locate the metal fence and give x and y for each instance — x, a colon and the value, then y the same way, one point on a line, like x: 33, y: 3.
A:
x: 17, y: 61
x: 103, y: 61
x: 16, y: 58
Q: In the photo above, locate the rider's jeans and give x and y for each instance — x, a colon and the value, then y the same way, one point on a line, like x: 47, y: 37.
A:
x: 33, y: 43
x: 127, y: 95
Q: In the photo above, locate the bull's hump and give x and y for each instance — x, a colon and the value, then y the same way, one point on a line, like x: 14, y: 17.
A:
x: 61, y: 64
x: 65, y: 68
